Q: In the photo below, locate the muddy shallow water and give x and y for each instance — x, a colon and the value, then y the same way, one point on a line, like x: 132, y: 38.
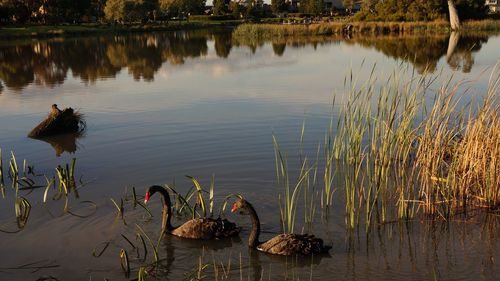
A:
x: 163, y: 105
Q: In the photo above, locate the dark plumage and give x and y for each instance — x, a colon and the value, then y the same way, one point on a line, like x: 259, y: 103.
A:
x: 284, y: 244
x: 201, y: 228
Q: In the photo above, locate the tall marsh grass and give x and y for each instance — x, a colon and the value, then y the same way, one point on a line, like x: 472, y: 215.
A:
x: 291, y: 190
x: 459, y: 166
x: 403, y: 144
x: 273, y: 31
x: 404, y: 148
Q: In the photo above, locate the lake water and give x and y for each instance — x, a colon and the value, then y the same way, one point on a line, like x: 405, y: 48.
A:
x: 161, y: 106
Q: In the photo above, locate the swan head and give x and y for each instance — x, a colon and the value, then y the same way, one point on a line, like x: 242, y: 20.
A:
x: 150, y: 191
x: 240, y: 204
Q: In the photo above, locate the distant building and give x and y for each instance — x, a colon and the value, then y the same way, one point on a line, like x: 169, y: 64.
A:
x: 494, y: 5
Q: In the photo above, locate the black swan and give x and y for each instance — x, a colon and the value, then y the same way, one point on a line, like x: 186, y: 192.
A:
x: 283, y: 244
x: 200, y: 228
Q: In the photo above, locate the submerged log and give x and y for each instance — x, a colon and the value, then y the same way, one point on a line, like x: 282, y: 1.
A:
x: 59, y: 122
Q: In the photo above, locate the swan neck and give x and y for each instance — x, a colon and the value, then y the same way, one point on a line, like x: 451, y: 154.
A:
x: 167, y: 211
x: 253, y: 240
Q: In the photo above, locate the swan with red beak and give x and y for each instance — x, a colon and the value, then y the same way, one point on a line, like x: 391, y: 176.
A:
x: 285, y: 244
x: 199, y: 228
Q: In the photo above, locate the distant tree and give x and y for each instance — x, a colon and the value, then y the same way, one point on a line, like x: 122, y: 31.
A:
x: 348, y: 4
x: 97, y: 9
x: 369, y: 4
x: 164, y: 4
x: 114, y: 10
x: 64, y: 10
x: 279, y: 6
x: 311, y: 6
x: 149, y: 5
x: 236, y: 9
x: 20, y: 11
x: 5, y: 10
x: 221, y: 7
x: 182, y: 6
x: 129, y: 10
x: 471, y: 9
x: 145, y: 8
x: 425, y: 10
x: 254, y: 9
x: 402, y: 10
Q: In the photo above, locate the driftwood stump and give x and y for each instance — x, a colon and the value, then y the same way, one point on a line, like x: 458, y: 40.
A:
x: 59, y: 122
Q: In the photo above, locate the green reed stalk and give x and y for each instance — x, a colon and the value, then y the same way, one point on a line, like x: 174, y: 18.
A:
x: 433, y: 150
x: 97, y: 253
x: 201, y: 200
x: 119, y: 208
x: 405, y: 136
x: 141, y: 274
x: 182, y: 201
x: 22, y: 208
x: 211, y: 196
x: 153, y: 246
x: 2, y: 182
x: 288, y: 203
x: 125, y: 263
x: 328, y: 175
x: 353, y: 126
x: 14, y: 172
x: 309, y: 184
x: 63, y: 183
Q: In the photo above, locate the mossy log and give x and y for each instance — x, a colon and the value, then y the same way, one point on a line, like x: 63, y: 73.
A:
x: 59, y: 122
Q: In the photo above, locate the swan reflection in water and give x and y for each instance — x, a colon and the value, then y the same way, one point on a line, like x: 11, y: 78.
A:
x: 63, y: 143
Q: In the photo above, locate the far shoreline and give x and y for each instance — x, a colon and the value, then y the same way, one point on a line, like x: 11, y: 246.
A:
x: 70, y: 30
x: 265, y: 28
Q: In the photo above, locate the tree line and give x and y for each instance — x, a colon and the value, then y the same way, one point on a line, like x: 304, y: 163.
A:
x: 417, y: 10
x: 76, y: 11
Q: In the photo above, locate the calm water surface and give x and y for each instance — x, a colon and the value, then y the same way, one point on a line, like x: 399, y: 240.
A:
x: 164, y: 105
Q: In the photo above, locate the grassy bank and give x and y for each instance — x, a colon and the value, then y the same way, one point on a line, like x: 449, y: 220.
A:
x: 89, y: 29
x: 270, y: 31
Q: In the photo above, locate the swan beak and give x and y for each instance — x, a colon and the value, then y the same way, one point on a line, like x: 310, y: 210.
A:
x: 146, y: 198
x: 234, y: 208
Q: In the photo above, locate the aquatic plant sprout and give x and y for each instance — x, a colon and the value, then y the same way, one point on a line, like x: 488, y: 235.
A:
x: 27, y: 181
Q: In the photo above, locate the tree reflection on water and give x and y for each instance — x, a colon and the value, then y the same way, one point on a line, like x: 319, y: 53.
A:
x: 48, y: 62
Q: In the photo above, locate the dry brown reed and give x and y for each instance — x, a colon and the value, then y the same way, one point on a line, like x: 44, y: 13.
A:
x: 459, y: 165
x: 271, y: 31
x: 423, y: 152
